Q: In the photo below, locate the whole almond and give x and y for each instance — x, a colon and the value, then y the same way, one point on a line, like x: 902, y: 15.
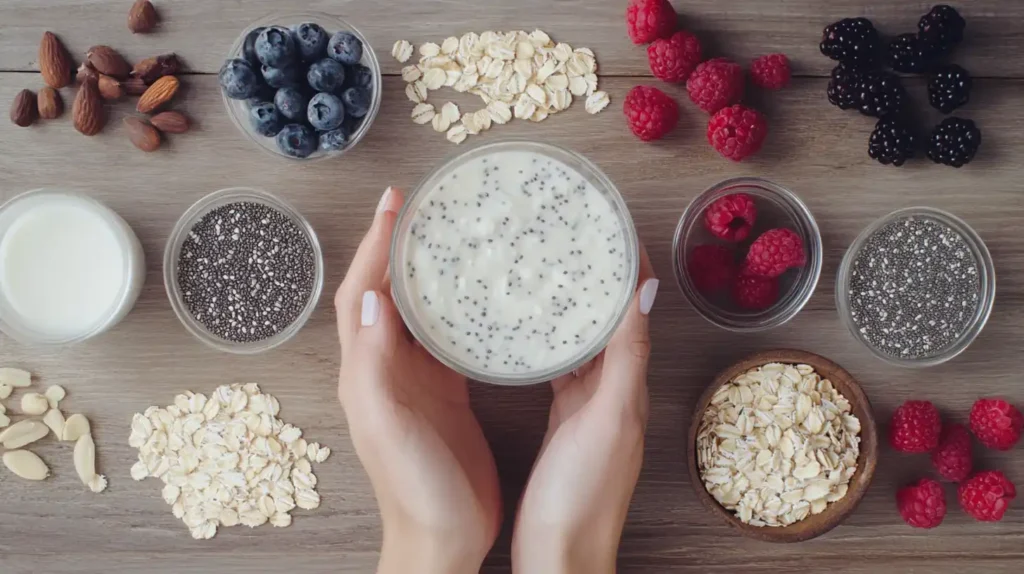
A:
x: 110, y: 89
x: 88, y: 113
x: 143, y: 135
x: 156, y: 67
x: 107, y: 61
x: 23, y: 109
x: 86, y: 73
x: 142, y: 17
x: 51, y: 105
x: 158, y: 95
x: 134, y: 86
x: 170, y: 122
x: 54, y: 61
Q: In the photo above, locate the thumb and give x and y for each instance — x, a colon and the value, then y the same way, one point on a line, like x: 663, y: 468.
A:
x: 624, y: 373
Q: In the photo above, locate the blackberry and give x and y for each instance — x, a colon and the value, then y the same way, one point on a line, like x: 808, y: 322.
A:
x: 943, y: 26
x: 949, y: 88
x: 912, y: 54
x: 880, y: 94
x: 851, y: 41
x: 893, y: 141
x: 954, y: 142
x: 842, y: 87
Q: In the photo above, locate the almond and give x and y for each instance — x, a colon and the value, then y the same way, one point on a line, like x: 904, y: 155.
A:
x: 158, y: 95
x: 110, y: 89
x: 142, y: 17
x: 88, y: 113
x: 86, y: 72
x: 23, y: 109
x: 143, y: 135
x: 156, y: 67
x: 107, y: 61
x: 134, y: 86
x: 54, y: 61
x: 51, y: 105
x: 170, y: 122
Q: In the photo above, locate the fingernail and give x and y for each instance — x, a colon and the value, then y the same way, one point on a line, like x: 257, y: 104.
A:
x: 648, y: 292
x: 384, y: 199
x: 371, y: 309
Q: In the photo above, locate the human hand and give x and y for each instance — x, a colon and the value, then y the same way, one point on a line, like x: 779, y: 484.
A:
x: 574, y: 508
x: 410, y: 420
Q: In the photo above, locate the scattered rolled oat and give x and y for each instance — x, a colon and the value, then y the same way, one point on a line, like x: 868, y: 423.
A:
x: 402, y: 51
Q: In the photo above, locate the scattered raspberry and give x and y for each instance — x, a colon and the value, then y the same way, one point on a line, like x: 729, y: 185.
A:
x: 987, y: 495
x: 650, y: 113
x: 731, y: 217
x: 716, y: 84
x: 770, y: 72
x: 674, y: 59
x: 996, y: 423
x: 916, y: 427
x: 712, y: 267
x: 774, y: 252
x: 737, y: 132
x: 648, y: 20
x: 953, y: 457
x: 755, y: 293
x: 922, y: 504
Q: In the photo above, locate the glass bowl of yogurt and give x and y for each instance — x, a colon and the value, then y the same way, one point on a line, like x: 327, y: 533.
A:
x: 514, y: 262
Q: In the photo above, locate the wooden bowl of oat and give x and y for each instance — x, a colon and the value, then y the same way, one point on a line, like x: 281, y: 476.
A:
x: 783, y: 446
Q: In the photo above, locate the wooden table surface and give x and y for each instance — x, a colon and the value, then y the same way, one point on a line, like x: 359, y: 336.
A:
x: 814, y: 149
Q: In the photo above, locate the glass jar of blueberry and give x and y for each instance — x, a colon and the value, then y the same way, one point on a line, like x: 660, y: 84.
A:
x: 302, y: 85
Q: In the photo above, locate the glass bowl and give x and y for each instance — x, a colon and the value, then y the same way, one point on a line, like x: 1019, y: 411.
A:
x: 402, y: 291
x: 986, y: 288
x: 178, y: 235
x: 238, y: 110
x: 777, y: 207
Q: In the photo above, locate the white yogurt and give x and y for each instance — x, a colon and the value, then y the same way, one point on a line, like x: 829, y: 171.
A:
x: 69, y: 267
x: 515, y: 264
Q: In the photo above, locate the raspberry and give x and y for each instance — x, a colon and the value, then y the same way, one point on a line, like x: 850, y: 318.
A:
x: 716, y: 84
x: 953, y: 457
x: 712, y: 267
x: 987, y: 495
x: 648, y: 20
x: 770, y: 72
x: 996, y: 423
x: 916, y: 427
x: 737, y: 132
x: 922, y: 504
x: 674, y: 59
x: 650, y: 113
x: 731, y: 217
x: 774, y: 252
x: 755, y: 293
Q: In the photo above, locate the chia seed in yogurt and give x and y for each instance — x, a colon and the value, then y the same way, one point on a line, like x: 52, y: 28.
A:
x: 246, y: 271
x: 515, y: 264
x: 914, y: 288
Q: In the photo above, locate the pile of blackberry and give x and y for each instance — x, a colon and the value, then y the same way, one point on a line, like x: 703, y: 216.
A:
x: 857, y: 82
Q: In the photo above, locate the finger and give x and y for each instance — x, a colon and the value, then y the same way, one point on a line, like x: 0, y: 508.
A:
x: 624, y: 372
x: 646, y: 269
x: 380, y: 326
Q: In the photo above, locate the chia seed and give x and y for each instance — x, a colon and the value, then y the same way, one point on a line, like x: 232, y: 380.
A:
x: 914, y: 288
x: 246, y: 272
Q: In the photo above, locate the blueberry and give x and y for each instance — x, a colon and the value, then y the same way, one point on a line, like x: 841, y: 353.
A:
x: 265, y: 119
x: 239, y: 80
x: 249, y: 47
x: 357, y: 101
x: 264, y: 94
x: 282, y: 77
x: 326, y: 75
x: 312, y: 41
x: 334, y: 140
x: 326, y: 112
x: 359, y: 76
x: 297, y: 140
x: 291, y: 103
x: 275, y: 47
x: 345, y: 48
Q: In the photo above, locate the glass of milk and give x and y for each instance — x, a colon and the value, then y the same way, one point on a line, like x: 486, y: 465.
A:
x: 70, y: 267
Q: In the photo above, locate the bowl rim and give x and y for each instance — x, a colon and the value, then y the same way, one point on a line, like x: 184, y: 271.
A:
x: 814, y: 525
x: 986, y: 277
x: 170, y: 264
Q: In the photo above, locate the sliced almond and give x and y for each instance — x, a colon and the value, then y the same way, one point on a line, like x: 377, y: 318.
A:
x: 54, y: 395
x: 5, y: 391
x: 22, y: 433
x: 14, y: 377
x: 55, y: 420
x: 74, y: 427
x: 26, y: 464
x: 4, y: 420
x: 85, y: 458
x: 34, y: 404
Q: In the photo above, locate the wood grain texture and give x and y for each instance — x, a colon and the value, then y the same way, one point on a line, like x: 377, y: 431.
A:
x: 818, y: 152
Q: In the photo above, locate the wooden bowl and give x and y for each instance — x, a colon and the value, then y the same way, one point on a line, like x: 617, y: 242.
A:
x: 817, y: 524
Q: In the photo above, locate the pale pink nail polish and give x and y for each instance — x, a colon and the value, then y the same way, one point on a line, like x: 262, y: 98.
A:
x: 648, y: 292
x: 371, y: 309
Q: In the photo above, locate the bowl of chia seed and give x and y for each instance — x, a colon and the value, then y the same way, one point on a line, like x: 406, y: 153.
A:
x: 243, y: 270
x: 916, y: 287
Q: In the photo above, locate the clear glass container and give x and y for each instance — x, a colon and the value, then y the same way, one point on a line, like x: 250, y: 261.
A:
x: 401, y: 290
x: 777, y: 207
x: 986, y: 287
x: 173, y: 250
x: 238, y: 110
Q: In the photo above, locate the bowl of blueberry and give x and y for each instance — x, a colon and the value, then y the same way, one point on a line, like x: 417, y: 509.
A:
x: 302, y: 85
